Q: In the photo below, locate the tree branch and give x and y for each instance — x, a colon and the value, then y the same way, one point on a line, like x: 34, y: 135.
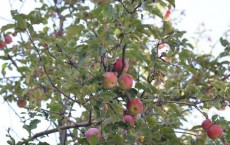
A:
x: 134, y: 10
x: 61, y: 128
x: 123, y: 61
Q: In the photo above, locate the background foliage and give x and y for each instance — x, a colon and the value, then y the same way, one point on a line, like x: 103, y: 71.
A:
x: 65, y: 47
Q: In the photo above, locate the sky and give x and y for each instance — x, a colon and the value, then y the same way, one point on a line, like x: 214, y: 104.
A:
x: 213, y: 16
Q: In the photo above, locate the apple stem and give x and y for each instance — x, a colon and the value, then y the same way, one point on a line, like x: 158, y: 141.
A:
x: 123, y: 60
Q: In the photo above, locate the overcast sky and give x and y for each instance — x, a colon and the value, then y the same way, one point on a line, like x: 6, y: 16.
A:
x: 214, y: 14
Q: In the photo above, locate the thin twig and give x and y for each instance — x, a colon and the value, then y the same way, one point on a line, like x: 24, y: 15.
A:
x: 13, y: 62
x: 134, y: 10
x: 187, y: 133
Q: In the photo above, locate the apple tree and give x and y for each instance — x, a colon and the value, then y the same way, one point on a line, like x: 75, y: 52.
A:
x: 98, y: 73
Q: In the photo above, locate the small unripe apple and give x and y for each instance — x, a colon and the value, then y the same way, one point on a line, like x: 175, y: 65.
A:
x: 21, y: 103
x: 118, y: 64
x: 93, y: 132
x: 8, y: 39
x: 129, y: 119
x: 134, y: 106
x: 125, y: 82
x: 206, y: 124
x: 110, y: 80
x: 2, y: 45
x: 215, y: 131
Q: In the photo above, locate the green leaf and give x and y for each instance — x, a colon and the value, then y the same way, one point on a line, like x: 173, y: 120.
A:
x: 108, y: 11
x: 43, y: 143
x: 152, y: 122
x: 55, y: 107
x: 101, y: 51
x: 35, y: 17
x: 33, y: 125
x: 167, y: 27
x: 6, y: 27
x: 224, y: 42
x: 97, y: 12
x: 155, y: 10
x: 172, y: 2
x: 118, y: 140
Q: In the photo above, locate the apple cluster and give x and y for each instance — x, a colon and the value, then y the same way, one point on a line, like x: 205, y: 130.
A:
x: 7, y: 40
x: 125, y: 81
x: 134, y: 106
x: 214, y: 131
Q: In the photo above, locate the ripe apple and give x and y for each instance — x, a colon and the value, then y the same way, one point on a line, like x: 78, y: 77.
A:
x: 21, y: 103
x: 2, y: 45
x: 206, y: 124
x: 8, y: 39
x: 215, y: 131
x: 161, y: 46
x: 134, y: 106
x: 110, y: 80
x: 93, y: 132
x: 125, y: 82
x: 129, y: 119
x: 167, y: 13
x: 118, y: 64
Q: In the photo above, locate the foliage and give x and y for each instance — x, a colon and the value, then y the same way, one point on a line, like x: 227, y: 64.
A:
x: 65, y: 47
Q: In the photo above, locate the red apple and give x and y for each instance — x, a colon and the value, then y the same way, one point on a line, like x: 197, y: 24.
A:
x: 2, y: 45
x: 167, y: 13
x: 110, y: 80
x: 118, y: 64
x: 125, y: 82
x: 134, y: 106
x: 215, y: 131
x: 8, y: 39
x: 206, y: 124
x: 129, y: 119
x: 93, y: 132
x: 21, y: 103
x: 161, y: 46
